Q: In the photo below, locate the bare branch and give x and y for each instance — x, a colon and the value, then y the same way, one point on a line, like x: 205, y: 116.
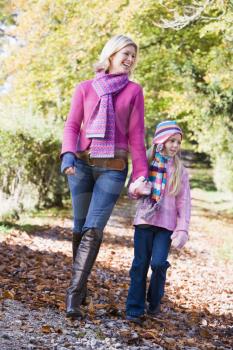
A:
x: 4, y: 33
x: 191, y: 13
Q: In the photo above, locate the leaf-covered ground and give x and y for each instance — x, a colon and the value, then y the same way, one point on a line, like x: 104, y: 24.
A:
x: 35, y: 271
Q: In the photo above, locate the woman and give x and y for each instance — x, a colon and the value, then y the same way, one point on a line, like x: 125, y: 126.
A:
x: 106, y: 120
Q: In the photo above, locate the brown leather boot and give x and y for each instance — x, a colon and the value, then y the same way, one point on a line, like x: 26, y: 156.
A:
x: 84, y: 261
x: 76, y: 239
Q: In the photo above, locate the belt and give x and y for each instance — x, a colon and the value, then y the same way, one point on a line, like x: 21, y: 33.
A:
x: 119, y: 162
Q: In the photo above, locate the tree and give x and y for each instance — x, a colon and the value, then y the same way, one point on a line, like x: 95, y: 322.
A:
x: 185, y: 60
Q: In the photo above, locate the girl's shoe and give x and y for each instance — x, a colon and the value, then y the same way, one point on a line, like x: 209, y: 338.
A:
x: 134, y: 319
x: 153, y: 312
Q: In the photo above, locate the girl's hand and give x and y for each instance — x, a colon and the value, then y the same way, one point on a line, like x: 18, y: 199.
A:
x: 133, y: 196
x: 179, y: 238
x: 69, y: 171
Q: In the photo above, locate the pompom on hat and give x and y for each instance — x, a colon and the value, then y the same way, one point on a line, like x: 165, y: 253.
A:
x: 164, y: 130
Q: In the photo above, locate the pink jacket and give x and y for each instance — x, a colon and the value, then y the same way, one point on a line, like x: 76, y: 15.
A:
x: 174, y: 213
x: 129, y: 110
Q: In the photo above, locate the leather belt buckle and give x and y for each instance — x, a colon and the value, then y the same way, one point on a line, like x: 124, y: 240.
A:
x: 90, y: 161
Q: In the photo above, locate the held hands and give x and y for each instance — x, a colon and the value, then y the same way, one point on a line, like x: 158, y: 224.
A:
x: 140, y: 187
x: 179, y: 238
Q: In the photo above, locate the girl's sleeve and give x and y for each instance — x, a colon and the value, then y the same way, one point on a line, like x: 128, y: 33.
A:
x: 137, y: 138
x: 183, y: 204
x: 73, y: 122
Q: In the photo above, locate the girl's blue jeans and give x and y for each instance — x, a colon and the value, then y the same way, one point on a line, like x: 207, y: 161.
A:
x: 94, y: 192
x: 151, y: 248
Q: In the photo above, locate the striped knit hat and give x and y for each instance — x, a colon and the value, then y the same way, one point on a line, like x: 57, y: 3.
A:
x: 164, y: 130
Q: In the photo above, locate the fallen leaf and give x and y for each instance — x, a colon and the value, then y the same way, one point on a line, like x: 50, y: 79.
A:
x: 91, y: 308
x: 102, y: 306
x: 205, y: 333
x: 96, y: 322
x: 125, y: 334
x: 40, y: 287
x: 46, y: 329
x: 169, y: 340
x: 149, y: 335
x: 8, y: 294
x: 58, y: 330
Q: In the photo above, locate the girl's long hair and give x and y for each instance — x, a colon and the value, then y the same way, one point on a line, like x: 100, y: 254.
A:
x: 175, y: 179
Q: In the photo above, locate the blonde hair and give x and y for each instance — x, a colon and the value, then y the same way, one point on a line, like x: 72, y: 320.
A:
x: 175, y: 179
x: 115, y: 44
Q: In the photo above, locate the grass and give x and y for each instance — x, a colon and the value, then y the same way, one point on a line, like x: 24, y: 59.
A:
x: 225, y: 251
x: 34, y: 220
x: 211, y: 203
x: 5, y: 228
x: 202, y: 178
x: 219, y: 203
x: 49, y: 213
x: 216, y: 205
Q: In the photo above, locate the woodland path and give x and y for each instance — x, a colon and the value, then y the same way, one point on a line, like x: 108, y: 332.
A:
x: 35, y: 271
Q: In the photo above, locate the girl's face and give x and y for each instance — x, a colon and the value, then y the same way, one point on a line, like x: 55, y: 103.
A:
x: 123, y: 60
x: 172, y: 145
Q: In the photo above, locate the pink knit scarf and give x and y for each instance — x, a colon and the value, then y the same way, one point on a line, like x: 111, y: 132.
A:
x: 101, y: 125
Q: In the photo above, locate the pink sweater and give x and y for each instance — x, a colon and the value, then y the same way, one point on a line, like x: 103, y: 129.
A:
x: 129, y: 134
x: 174, y: 213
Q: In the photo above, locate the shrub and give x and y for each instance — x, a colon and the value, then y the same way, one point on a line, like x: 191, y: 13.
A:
x: 30, y: 166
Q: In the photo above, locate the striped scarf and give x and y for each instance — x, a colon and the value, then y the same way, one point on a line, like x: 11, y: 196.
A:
x: 158, y: 177
x: 101, y: 125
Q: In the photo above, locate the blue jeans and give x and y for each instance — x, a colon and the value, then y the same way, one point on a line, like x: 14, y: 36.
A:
x: 94, y: 192
x: 151, y: 248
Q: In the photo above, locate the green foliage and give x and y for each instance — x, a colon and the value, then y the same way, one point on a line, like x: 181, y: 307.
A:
x: 6, y: 15
x: 223, y: 172
x: 191, y: 80
x: 186, y: 74
x: 60, y: 41
x: 28, y: 160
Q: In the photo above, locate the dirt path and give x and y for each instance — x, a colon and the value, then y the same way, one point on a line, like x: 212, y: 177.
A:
x: 35, y: 272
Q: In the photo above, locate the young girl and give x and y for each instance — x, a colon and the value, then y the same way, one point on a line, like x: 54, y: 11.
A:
x: 162, y: 218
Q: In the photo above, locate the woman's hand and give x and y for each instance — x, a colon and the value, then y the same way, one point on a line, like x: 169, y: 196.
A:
x: 140, y: 187
x: 68, y: 163
x: 69, y: 171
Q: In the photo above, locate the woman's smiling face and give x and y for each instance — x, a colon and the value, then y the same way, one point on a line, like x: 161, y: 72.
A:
x: 123, y: 60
